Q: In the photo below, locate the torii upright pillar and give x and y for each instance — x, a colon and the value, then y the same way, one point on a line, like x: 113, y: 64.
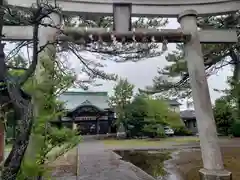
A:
x: 213, y: 168
x: 47, y: 36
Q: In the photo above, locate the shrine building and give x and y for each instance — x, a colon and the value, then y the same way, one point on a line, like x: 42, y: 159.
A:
x: 88, y: 112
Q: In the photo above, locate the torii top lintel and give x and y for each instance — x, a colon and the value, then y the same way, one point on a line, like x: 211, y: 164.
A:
x: 163, y: 8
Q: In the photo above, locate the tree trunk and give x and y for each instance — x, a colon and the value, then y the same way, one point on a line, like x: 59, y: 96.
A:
x: 22, y: 106
x: 236, y: 79
x: 2, y: 136
x: 43, y: 74
x: 13, y: 162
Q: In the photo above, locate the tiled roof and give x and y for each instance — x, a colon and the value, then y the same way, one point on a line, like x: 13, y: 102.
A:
x: 173, y: 102
x: 86, y: 103
x: 187, y: 114
x: 74, y: 99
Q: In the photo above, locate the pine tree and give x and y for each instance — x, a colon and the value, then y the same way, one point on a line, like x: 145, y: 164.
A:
x: 216, y: 56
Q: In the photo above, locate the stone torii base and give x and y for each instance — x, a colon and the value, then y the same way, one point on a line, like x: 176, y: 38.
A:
x: 215, y: 174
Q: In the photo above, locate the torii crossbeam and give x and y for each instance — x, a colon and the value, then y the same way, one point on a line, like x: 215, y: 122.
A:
x: 24, y: 33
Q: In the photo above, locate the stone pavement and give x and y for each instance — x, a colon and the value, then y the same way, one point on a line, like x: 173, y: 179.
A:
x: 96, y: 162
x: 100, y: 163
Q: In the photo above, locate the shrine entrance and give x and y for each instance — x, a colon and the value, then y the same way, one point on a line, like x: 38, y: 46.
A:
x: 90, y: 120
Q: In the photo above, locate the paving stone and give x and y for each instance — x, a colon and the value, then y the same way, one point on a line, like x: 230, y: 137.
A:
x: 98, y: 163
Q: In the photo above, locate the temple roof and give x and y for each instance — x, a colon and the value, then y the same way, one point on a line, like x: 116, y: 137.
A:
x: 86, y: 103
x: 173, y: 102
x: 74, y: 99
x: 187, y: 114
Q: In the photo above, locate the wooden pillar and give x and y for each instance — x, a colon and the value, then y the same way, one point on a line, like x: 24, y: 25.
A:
x: 110, y: 119
x: 211, y: 154
x: 97, y: 125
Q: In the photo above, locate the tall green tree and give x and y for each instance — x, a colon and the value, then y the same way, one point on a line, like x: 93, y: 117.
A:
x: 123, y: 92
x: 159, y: 115
x: 174, y: 78
x: 147, y: 116
x: 224, y: 115
x: 161, y: 112
x: 136, y: 112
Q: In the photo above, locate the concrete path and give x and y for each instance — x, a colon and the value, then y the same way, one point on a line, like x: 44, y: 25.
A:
x: 98, y: 163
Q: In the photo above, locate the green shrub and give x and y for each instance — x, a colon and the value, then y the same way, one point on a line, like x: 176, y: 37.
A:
x: 30, y: 169
x: 59, y: 136
x: 160, y: 132
x: 182, y: 131
x: 236, y: 129
x: 153, y: 130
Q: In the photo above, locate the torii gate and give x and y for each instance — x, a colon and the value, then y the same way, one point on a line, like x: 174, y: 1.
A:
x: 187, y: 12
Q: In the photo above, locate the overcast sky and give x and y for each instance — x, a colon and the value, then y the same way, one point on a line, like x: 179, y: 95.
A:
x: 141, y: 73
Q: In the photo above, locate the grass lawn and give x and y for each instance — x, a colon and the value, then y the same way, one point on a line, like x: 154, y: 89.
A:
x: 147, y: 142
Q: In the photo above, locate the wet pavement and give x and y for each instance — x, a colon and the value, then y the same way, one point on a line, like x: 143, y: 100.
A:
x: 100, y: 162
x: 170, y: 168
x: 96, y: 162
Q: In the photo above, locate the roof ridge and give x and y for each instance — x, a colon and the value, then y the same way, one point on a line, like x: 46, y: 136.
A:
x: 86, y: 102
x: 105, y: 93
x: 84, y: 91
